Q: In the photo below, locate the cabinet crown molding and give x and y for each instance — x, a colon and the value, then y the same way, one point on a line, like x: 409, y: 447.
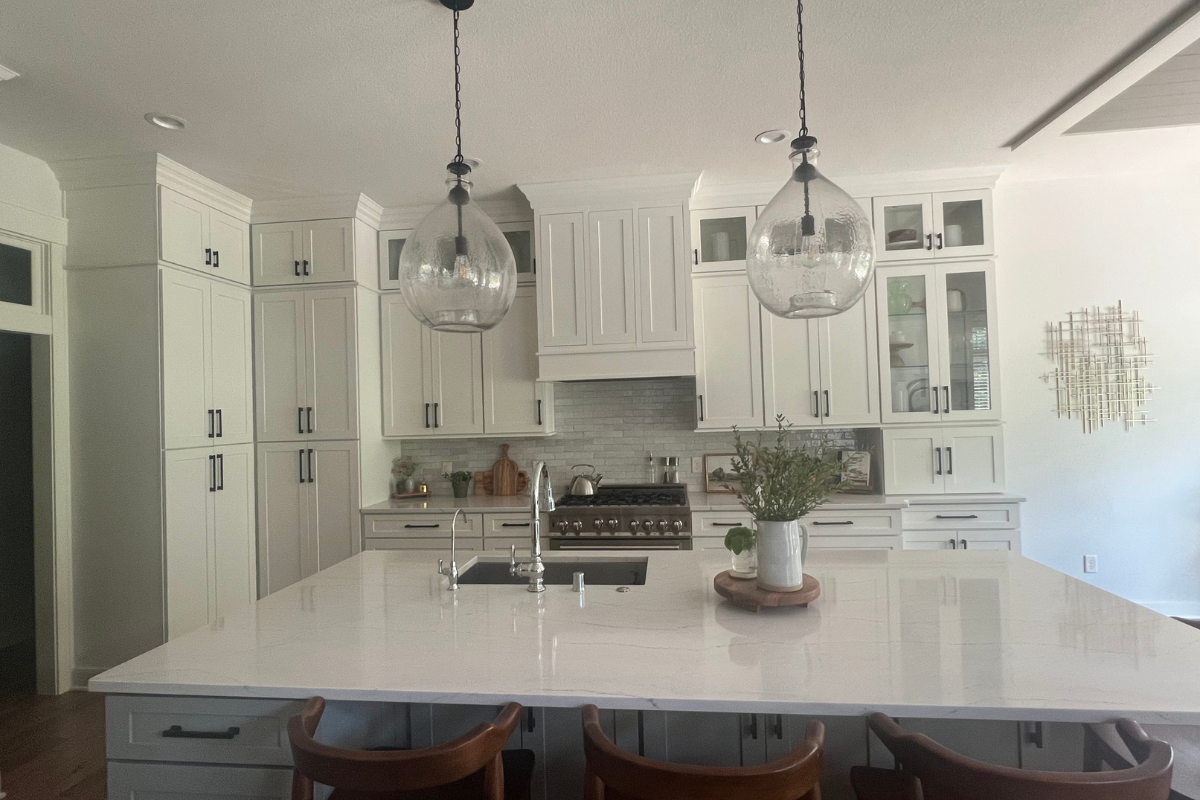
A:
x: 301, y: 209
x: 642, y: 189
x: 500, y: 210
x: 760, y: 192
x: 150, y: 168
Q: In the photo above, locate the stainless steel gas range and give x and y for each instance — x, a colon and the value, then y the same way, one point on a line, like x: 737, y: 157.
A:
x: 643, y: 515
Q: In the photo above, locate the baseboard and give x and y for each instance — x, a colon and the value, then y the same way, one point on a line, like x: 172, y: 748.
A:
x: 1173, y: 608
x: 81, y: 675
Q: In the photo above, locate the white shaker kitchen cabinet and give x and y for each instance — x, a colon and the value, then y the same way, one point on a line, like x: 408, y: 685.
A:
x: 904, y: 227
x: 157, y: 781
x: 234, y: 555
x: 710, y: 739
x: 404, y: 344
x: 280, y: 355
x: 391, y: 245
x: 962, y: 460
x: 613, y: 312
x: 328, y: 250
x: 189, y: 481
x: 278, y: 250
x: 719, y: 238
x: 331, y: 365
x: 791, y: 372
x: 729, y: 382
x: 849, y: 365
x: 962, y: 223
x: 457, y: 382
x: 664, y: 273
x: 229, y: 239
x: 284, y: 540
x: 232, y: 363
x: 188, y: 411
x: 562, y: 320
x: 909, y: 343
x: 910, y: 461
x: 513, y: 399
x: 333, y: 503
x: 966, y: 308
x: 183, y: 230
x: 974, y: 459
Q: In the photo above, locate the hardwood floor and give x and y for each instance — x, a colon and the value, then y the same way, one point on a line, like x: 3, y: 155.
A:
x: 52, y: 747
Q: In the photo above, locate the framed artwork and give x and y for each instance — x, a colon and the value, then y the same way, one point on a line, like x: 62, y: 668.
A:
x: 718, y: 472
x: 859, y: 481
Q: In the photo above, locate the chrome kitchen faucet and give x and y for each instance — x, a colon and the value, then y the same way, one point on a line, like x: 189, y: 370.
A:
x: 541, y: 498
x: 451, y: 572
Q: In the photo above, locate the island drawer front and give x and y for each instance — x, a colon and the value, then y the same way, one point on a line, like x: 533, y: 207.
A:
x: 824, y: 522
x: 962, y: 517
x: 421, y: 526
x: 253, y: 731
x: 509, y: 526
x: 718, y: 523
x: 860, y: 542
x: 134, y: 781
x: 463, y: 544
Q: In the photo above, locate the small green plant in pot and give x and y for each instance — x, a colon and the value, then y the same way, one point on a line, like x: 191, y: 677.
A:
x: 459, y: 481
x: 741, y: 543
x: 778, y: 484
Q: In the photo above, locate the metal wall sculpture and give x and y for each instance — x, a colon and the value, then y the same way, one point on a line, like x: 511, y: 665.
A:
x: 1100, y: 362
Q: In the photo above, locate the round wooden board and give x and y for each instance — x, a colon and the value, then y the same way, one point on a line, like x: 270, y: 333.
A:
x: 746, y: 594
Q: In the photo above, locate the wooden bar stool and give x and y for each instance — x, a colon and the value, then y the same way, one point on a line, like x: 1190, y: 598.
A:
x: 472, y: 767
x: 613, y: 774
x: 928, y: 771
x: 1102, y: 744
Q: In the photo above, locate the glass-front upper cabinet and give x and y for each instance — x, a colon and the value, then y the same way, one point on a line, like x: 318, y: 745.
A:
x: 520, y: 239
x: 22, y: 278
x: 918, y: 227
x: 936, y: 330
x: 719, y: 238
x: 391, y: 244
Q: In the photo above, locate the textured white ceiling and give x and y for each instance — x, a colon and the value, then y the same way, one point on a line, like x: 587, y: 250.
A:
x: 297, y: 97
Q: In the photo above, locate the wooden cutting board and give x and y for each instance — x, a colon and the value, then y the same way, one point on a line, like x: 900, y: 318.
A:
x: 747, y: 595
x: 505, y: 474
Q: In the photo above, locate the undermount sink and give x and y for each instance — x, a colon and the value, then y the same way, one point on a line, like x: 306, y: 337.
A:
x: 596, y: 572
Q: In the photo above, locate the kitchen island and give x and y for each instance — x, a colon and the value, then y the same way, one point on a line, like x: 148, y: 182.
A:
x: 938, y: 637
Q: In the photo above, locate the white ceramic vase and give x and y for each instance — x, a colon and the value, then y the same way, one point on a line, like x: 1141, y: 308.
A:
x: 781, y: 555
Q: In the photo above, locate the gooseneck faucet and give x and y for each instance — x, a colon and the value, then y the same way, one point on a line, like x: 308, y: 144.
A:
x: 541, y: 496
x: 451, y: 572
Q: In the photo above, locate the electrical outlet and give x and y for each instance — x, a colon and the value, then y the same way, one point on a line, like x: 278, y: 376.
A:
x: 697, y: 463
x: 447, y: 467
x: 1091, y: 563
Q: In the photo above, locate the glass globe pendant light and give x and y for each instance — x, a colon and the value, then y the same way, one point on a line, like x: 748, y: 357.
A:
x: 457, y: 271
x: 812, y: 252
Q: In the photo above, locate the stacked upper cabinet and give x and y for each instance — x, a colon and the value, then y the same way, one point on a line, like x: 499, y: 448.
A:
x: 921, y: 227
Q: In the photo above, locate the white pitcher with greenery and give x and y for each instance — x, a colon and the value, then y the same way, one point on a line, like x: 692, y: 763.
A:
x: 778, y: 484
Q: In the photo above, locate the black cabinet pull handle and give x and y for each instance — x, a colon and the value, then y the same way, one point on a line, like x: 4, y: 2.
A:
x: 539, y: 412
x: 220, y: 424
x: 702, y: 408
x: 427, y: 415
x: 302, y: 466
x: 305, y: 262
x: 211, y: 428
x: 946, y: 389
x: 754, y: 726
x: 939, y: 241
x: 949, y: 460
x: 696, y: 257
x: 411, y: 525
x: 212, y: 473
x: 216, y: 260
x: 726, y: 524
x: 177, y: 732
x: 929, y: 241
x: 779, y: 727
x: 964, y: 543
x: 937, y: 405
x: 842, y: 522
x: 297, y: 263
x: 208, y: 257
x: 817, y: 403
x: 312, y: 477
x: 436, y: 423
x: 530, y: 722
x: 828, y: 405
x: 938, y: 450
x: 514, y: 524
x: 953, y: 544
x: 310, y: 412
x: 300, y: 419
x: 957, y: 516
x: 220, y: 472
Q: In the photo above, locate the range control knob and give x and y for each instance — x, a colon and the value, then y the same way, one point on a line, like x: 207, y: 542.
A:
x: 562, y: 526
x: 612, y: 523
x: 677, y: 527
x: 648, y: 525
x: 634, y: 526
x: 577, y: 526
x: 598, y: 524
x: 662, y: 526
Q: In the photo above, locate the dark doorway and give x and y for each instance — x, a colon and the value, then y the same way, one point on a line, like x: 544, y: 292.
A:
x: 18, y: 666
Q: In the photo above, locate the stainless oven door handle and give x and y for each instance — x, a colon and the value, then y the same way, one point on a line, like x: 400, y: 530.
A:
x: 611, y: 544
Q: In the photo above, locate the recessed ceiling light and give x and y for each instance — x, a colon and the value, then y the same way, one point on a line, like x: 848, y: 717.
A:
x: 772, y: 137
x: 168, y: 121
x: 7, y: 74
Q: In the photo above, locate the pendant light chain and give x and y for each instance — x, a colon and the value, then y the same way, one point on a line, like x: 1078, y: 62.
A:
x: 458, y: 158
x: 800, y: 48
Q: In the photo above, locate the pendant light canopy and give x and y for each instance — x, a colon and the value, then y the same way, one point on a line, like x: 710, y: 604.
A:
x: 457, y: 271
x: 812, y: 251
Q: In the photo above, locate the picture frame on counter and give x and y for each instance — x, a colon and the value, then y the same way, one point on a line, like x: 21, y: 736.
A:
x: 718, y: 467
x: 859, y: 480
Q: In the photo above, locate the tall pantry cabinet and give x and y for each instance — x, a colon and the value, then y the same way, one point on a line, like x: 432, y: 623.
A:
x: 162, y: 403
x: 321, y: 455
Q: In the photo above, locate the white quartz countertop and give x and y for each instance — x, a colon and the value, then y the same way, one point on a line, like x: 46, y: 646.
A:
x: 978, y: 634
x: 699, y: 501
x: 721, y: 501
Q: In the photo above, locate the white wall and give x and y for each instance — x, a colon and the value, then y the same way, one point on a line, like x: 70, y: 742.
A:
x: 1072, y: 240
x: 29, y: 183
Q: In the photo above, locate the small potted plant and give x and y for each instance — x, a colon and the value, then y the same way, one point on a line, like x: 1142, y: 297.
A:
x: 740, y: 542
x: 403, y: 470
x: 778, y: 484
x: 459, y: 481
